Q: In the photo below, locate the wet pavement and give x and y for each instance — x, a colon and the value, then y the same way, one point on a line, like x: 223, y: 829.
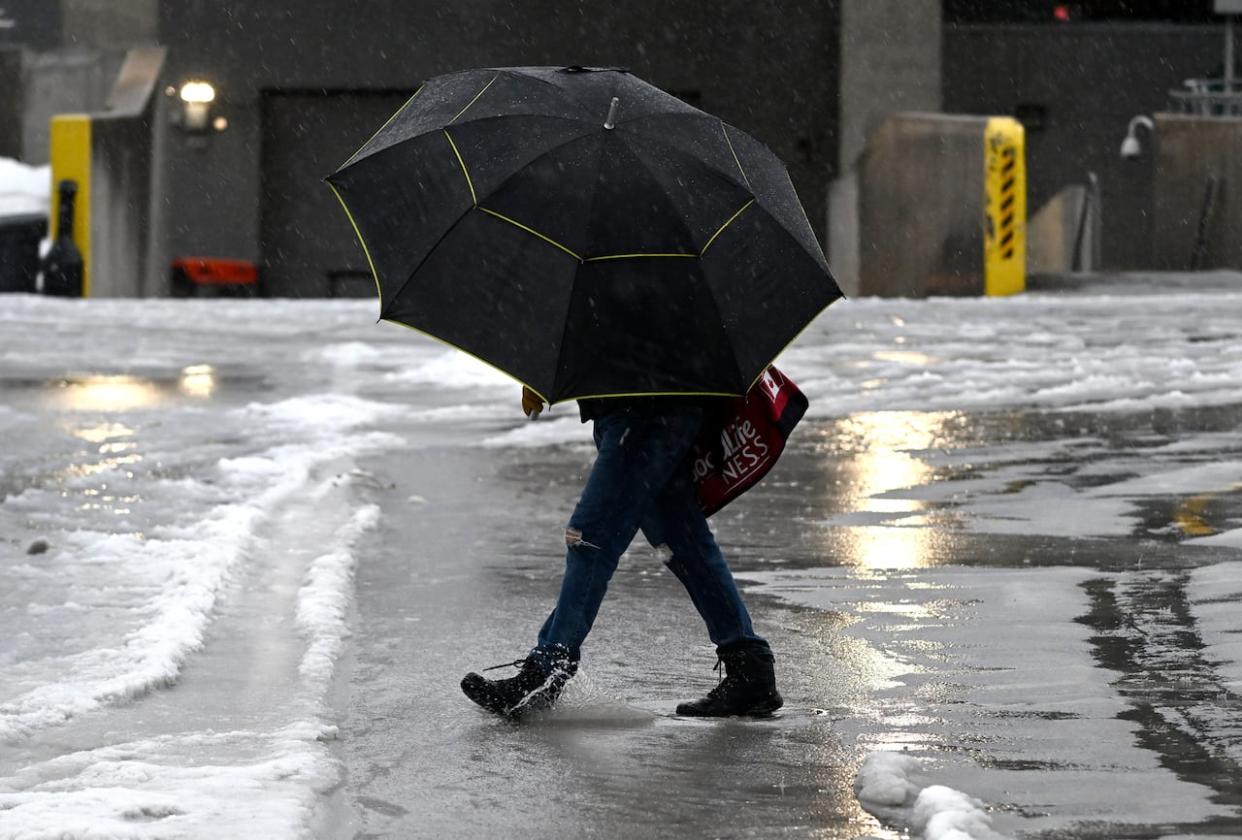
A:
x: 1038, y: 604
x: 1058, y: 677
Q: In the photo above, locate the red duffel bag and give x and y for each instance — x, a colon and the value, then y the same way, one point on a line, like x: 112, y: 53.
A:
x: 741, y: 443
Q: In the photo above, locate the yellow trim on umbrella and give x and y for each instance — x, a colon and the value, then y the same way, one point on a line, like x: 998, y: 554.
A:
x: 472, y: 101
x: 635, y: 256
x: 531, y: 231
x: 729, y: 142
x: 365, y: 250
x: 654, y: 394
x: 789, y: 344
x: 384, y: 126
x: 496, y: 367
x: 467, y: 352
x: 725, y: 225
x: 469, y: 183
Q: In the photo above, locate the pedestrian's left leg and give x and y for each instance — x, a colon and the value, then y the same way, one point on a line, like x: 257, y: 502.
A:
x: 676, y: 523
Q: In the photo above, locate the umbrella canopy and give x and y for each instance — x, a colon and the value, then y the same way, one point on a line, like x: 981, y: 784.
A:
x: 585, y: 232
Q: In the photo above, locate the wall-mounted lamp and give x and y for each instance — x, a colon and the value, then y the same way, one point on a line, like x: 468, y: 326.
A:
x: 196, y: 97
x: 1131, y: 148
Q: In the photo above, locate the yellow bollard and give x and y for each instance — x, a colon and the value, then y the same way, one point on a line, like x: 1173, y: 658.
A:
x: 1004, y: 207
x: 71, y: 158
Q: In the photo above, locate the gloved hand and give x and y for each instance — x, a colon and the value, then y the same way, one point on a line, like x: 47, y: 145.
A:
x: 532, y: 403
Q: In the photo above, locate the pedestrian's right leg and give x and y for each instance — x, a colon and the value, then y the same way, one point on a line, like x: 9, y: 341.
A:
x: 638, y: 454
x: 638, y: 451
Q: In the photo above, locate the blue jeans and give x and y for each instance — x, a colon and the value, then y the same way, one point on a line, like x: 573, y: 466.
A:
x: 641, y: 478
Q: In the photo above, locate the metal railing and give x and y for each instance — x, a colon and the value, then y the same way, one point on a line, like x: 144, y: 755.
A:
x: 1207, y: 98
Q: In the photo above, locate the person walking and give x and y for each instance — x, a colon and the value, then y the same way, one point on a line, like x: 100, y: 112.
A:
x: 588, y: 233
x: 641, y: 480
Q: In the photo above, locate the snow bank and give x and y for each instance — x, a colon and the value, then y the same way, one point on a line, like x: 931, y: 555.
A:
x: 1053, y: 352
x: 452, y: 369
x: 542, y: 432
x: 24, y: 189
x: 323, y: 415
x: 167, y: 580
x: 185, y: 786
x: 323, y: 600
x: 883, y: 780
x: 885, y: 789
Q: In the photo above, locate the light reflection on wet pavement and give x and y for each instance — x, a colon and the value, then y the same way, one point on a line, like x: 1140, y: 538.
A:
x: 1019, y: 598
x: 1058, y: 678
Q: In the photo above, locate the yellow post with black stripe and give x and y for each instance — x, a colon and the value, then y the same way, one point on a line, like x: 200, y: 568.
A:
x: 1004, y: 207
x: 71, y: 159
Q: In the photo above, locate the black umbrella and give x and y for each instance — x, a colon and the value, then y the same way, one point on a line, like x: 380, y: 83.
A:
x: 585, y: 232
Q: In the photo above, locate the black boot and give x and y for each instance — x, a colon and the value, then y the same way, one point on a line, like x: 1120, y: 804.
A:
x: 536, y: 686
x: 748, y: 688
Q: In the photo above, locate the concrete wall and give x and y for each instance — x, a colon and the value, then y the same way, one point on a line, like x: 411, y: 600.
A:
x: 920, y: 199
x: 1190, y: 152
x: 110, y: 24
x: 12, y: 102
x: 1090, y: 79
x: 36, y: 85
x: 125, y: 260
x: 59, y: 82
x: 890, y: 62
x: 1058, y: 234
x: 767, y: 67
x: 32, y: 24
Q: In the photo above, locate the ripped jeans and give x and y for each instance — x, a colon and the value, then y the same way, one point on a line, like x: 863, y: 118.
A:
x: 641, y: 479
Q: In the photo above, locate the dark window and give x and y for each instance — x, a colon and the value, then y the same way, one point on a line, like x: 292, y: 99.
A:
x: 1072, y: 11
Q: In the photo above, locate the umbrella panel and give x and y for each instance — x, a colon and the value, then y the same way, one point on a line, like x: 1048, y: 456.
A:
x: 402, y: 202
x: 428, y: 110
x: 527, y: 247
x: 775, y: 193
x: 495, y: 291
x: 644, y: 326
x: 767, y: 288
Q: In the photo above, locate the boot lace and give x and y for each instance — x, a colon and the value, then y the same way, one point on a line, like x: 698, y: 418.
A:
x: 724, y: 680
x: 517, y: 663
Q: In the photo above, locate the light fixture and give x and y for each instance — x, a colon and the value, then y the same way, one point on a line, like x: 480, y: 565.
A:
x: 196, y: 98
x: 1131, y: 148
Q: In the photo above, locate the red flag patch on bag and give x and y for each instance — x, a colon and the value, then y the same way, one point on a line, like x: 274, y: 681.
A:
x: 734, y: 453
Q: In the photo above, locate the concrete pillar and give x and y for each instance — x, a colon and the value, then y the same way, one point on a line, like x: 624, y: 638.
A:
x: 890, y: 62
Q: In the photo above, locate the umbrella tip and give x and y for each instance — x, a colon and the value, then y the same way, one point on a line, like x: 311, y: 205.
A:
x: 610, y: 120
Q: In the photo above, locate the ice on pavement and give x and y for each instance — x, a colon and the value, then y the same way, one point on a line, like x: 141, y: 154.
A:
x: 192, y: 466
x: 1214, y: 593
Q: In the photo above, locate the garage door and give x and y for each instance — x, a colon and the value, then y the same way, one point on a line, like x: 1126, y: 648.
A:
x: 308, y: 248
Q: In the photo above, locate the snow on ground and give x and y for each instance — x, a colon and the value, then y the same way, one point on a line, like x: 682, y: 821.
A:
x: 935, y: 812
x: 190, y: 467
x: 1097, y: 352
x: 24, y: 188
x: 158, y: 585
